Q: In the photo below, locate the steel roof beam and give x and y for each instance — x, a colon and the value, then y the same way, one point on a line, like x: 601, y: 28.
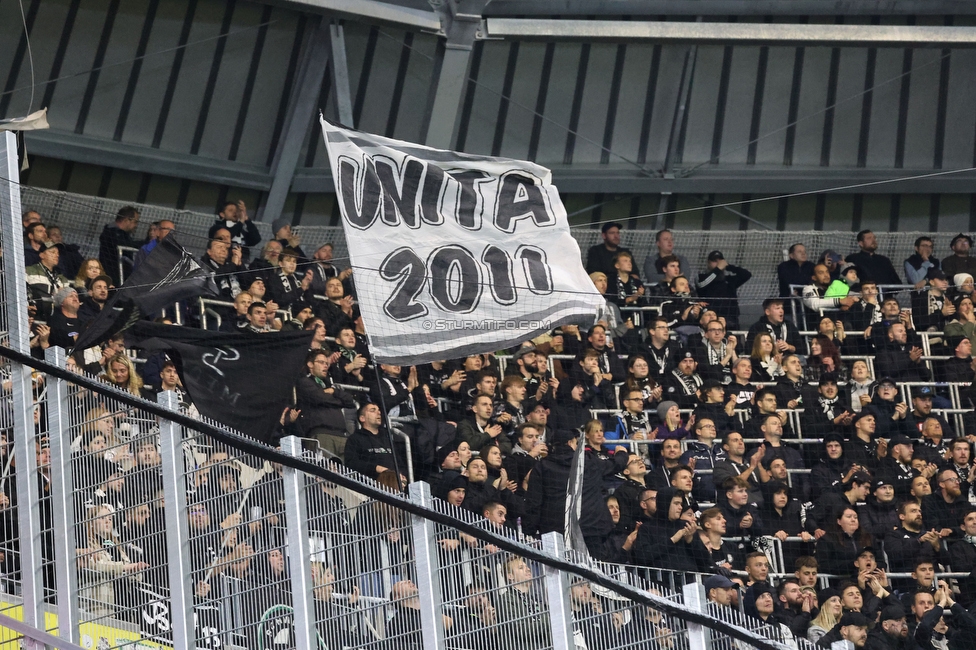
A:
x: 731, y: 33
x: 731, y: 8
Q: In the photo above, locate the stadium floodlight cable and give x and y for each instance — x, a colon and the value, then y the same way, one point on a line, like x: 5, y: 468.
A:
x: 251, y: 446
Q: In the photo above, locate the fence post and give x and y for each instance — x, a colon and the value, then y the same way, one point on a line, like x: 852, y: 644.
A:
x: 299, y: 549
x: 557, y: 590
x: 695, y: 600
x: 62, y: 486
x: 428, y: 580
x: 25, y: 454
x: 178, y: 538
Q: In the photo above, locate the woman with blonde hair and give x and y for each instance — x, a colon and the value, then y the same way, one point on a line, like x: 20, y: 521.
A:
x: 120, y: 372
x: 106, y: 567
x: 831, y: 609
x: 89, y: 270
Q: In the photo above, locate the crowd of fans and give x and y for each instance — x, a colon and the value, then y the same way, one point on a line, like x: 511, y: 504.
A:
x: 704, y: 437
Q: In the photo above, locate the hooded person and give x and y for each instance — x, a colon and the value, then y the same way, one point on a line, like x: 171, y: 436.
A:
x: 830, y: 473
x: 665, y: 540
x: 853, y: 627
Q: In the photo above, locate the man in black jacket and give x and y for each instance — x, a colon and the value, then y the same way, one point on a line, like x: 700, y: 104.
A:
x: 719, y: 282
x: 368, y: 451
x: 114, y: 235
x: 795, y: 607
x: 910, y: 543
x: 962, y: 558
x: 899, y: 360
x: 321, y: 404
x: 243, y: 232
x: 874, y: 266
x: 786, y: 338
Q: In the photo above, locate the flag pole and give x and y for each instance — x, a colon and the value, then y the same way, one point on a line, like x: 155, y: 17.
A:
x: 389, y: 426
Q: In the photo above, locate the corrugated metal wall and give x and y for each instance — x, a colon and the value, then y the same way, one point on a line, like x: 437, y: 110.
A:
x: 211, y: 79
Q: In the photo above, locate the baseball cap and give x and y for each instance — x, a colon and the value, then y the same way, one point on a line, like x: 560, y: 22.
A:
x: 854, y: 618
x: 899, y: 439
x: 934, y: 273
x: 522, y: 351
x: 892, y: 613
x: 861, y: 477
x: 881, y: 482
x: 924, y: 391
x: 47, y: 245
x: 718, y: 582
x: 866, y: 549
x: 715, y: 256
x: 562, y: 436
x: 887, y: 381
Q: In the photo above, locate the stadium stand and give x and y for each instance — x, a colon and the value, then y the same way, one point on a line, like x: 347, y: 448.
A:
x: 834, y: 463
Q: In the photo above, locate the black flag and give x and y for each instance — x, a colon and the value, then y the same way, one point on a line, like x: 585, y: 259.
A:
x: 167, y: 275
x: 243, y: 381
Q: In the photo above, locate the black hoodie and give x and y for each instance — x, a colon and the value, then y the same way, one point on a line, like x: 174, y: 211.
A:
x: 828, y: 473
x: 654, y: 547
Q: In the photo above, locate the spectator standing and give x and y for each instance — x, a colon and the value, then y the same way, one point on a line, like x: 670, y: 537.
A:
x: 524, y: 619
x: 796, y: 270
x: 600, y: 257
x: 368, y: 450
x: 64, y: 322
x: 243, y: 232
x: 44, y: 281
x: 654, y: 269
x: 918, y: 263
x: 162, y: 229
x: 960, y: 261
x: 114, y: 235
x: 35, y: 235
x: 720, y: 283
x: 930, y: 306
x: 321, y: 404
x: 874, y: 266
x: 898, y: 360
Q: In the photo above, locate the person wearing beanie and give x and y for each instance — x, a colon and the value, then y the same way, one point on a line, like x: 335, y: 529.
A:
x: 833, y: 469
x: 960, y: 261
x: 891, y: 632
x: 931, y: 307
x: 962, y: 285
x: 959, y: 367
x: 963, y: 322
x: 671, y: 425
x: 64, y: 322
x: 44, y: 280
x: 831, y: 610
x: 879, y: 516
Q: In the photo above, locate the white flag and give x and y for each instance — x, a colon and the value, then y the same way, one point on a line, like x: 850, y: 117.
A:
x: 454, y: 254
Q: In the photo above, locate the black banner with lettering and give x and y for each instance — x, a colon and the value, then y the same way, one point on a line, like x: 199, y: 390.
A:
x: 243, y: 381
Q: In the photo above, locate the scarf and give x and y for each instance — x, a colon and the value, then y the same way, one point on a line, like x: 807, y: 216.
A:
x: 828, y: 406
x: 970, y: 538
x: 691, y: 383
x: 715, y: 356
x: 660, y: 360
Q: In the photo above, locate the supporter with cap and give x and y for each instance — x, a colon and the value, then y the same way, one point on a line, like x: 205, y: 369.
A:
x: 797, y: 270
x: 654, y: 264
x: 930, y: 307
x: 960, y: 261
x: 879, y: 516
x: 875, y: 266
x: 896, y: 468
x: 64, y: 321
x: 545, y: 496
x: 923, y: 398
x: 919, y: 262
x: 786, y: 338
x: 891, y: 413
x: 829, y: 412
x: 719, y: 283
x: 864, y: 448
x: 281, y: 228
x: 720, y: 591
x: 959, y: 367
x: 681, y: 385
x: 899, y: 359
x: 831, y: 610
x: 44, y: 280
x: 891, y: 633
x: 846, y: 281
x: 599, y: 258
